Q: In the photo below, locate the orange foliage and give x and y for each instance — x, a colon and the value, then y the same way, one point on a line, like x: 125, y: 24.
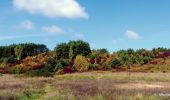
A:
x: 35, y: 62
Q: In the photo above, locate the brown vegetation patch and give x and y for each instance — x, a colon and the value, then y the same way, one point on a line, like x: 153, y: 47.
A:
x: 104, y: 84
x: 111, y: 88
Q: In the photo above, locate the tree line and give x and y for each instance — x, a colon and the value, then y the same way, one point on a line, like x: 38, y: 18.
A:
x: 20, y: 51
x: 74, y: 56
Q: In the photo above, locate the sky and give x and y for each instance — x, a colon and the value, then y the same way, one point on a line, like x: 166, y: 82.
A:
x: 111, y: 24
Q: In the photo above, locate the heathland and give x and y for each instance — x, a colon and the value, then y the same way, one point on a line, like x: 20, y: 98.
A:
x: 72, y: 71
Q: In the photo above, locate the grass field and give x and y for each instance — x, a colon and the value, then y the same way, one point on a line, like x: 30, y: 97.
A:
x: 87, y: 86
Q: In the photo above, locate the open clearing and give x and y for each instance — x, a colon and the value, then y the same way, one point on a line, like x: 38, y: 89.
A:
x: 87, y: 86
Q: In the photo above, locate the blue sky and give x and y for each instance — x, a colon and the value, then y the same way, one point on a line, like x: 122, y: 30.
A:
x: 111, y: 24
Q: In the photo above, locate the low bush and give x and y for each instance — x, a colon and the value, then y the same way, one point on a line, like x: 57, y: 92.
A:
x: 48, y: 67
x: 60, y: 72
x: 91, y: 56
x: 106, y: 65
x: 81, y: 64
x: 68, y: 70
x: 11, y: 59
x: 47, y: 70
x: 60, y: 69
x: 116, y: 63
x: 146, y: 60
x: 4, y: 61
x: 15, y: 70
x: 38, y: 72
x: 93, y: 66
x: 58, y: 66
x: 64, y: 62
x: 51, y: 61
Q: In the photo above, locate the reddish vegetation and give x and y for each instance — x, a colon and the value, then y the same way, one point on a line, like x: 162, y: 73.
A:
x: 68, y: 69
x: 163, y: 54
x: 4, y: 71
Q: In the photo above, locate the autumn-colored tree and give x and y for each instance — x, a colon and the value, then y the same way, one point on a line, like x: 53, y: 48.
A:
x: 81, y: 64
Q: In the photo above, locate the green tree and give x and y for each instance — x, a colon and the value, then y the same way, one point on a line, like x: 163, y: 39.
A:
x: 130, y: 51
x: 72, y: 48
x: 80, y: 48
x: 62, y: 51
x: 142, y: 52
x: 103, y: 51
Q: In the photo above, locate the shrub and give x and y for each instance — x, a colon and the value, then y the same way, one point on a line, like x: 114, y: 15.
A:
x: 59, y: 72
x: 38, y: 72
x: 47, y: 70
x: 18, y: 69
x: 151, y: 55
x: 93, y: 66
x: 5, y: 60
x: 125, y: 59
x: 11, y: 59
x: 106, y: 65
x: 48, y: 67
x: 64, y: 62
x: 116, y: 63
x: 58, y: 66
x: 133, y: 59
x: 146, y: 60
x: 91, y: 56
x: 81, y: 64
x: 51, y: 61
x: 68, y: 70
x: 15, y: 70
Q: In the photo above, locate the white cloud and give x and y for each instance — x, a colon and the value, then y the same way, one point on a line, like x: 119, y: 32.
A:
x: 52, y: 8
x: 27, y: 24
x: 54, y: 30
x: 132, y: 35
x: 79, y: 36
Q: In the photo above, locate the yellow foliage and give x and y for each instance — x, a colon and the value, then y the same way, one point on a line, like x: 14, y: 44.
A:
x: 81, y: 64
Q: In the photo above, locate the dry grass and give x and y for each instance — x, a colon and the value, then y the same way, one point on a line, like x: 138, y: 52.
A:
x: 87, y: 86
x: 129, y: 76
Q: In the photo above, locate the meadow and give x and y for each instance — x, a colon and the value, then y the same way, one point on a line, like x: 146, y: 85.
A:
x: 95, y: 85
